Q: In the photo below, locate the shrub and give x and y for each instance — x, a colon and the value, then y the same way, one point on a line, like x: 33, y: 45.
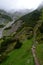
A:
x: 18, y: 44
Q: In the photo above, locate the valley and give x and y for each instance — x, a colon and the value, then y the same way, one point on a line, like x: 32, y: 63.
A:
x: 21, y: 39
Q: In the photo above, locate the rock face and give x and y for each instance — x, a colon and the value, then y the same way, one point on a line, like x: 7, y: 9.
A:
x: 13, y: 29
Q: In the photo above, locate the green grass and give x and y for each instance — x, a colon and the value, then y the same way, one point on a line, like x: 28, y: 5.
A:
x: 22, y: 56
x: 39, y: 53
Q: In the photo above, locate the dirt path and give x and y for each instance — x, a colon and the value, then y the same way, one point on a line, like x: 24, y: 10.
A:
x: 35, y: 42
x: 34, y: 55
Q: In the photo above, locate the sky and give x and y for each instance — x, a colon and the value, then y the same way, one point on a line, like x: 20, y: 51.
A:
x: 19, y: 4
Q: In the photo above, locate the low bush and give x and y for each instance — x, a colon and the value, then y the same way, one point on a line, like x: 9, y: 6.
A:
x: 18, y: 44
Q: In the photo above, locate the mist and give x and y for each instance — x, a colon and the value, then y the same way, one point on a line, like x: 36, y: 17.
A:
x: 19, y: 4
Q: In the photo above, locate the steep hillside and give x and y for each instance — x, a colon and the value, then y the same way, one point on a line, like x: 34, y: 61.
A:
x: 4, y: 18
x: 29, y: 26
x: 28, y: 20
x: 31, y: 18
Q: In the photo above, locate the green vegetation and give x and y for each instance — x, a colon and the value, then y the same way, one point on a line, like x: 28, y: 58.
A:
x: 39, y: 47
x: 31, y: 18
x: 21, y: 56
x: 5, y: 17
x: 39, y: 52
x: 1, y: 40
x: 6, y: 41
x: 1, y: 26
x: 17, y: 43
x: 8, y: 28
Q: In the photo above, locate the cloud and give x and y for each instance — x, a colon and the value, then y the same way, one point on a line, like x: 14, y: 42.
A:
x: 19, y: 4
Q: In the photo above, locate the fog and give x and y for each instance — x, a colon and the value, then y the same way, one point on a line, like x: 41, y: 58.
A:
x: 19, y: 4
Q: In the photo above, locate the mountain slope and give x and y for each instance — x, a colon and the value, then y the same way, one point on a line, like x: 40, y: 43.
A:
x: 4, y: 17
x: 28, y: 20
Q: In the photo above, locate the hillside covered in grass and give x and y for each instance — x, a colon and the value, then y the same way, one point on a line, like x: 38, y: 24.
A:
x: 21, y: 56
x: 18, y: 39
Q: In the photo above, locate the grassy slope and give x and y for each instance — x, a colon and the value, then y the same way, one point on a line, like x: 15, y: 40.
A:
x: 22, y: 56
x: 39, y: 53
